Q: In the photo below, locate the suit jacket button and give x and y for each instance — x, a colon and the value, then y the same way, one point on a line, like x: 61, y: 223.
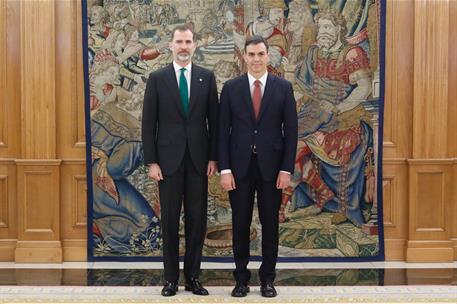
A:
x: 255, y: 132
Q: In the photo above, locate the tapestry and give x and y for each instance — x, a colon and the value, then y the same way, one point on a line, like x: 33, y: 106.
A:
x: 332, y: 51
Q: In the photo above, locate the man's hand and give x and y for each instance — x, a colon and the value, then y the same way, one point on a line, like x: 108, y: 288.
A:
x: 212, y: 168
x: 228, y: 182
x: 283, y: 180
x: 155, y: 172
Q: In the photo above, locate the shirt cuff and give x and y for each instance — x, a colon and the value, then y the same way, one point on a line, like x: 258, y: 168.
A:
x: 225, y: 171
x: 282, y: 172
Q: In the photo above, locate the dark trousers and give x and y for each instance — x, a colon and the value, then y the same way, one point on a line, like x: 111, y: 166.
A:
x: 242, y: 202
x: 188, y: 186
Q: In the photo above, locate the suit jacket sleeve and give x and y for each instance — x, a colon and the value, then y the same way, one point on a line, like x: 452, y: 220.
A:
x: 149, y: 122
x: 225, y: 125
x: 290, y: 129
x: 212, y: 111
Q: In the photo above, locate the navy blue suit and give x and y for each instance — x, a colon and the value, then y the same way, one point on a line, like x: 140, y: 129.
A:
x: 255, y: 150
x: 274, y: 134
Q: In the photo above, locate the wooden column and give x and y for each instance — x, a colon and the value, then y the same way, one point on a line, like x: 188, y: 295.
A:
x: 38, y: 169
x: 431, y: 166
x: 398, y: 113
x: 70, y: 125
x: 452, y: 113
x: 10, y: 137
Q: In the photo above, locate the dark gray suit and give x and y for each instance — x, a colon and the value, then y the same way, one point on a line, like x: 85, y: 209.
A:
x: 182, y: 145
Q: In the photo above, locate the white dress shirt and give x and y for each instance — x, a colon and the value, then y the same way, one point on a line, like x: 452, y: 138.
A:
x: 263, y: 83
x: 187, y: 74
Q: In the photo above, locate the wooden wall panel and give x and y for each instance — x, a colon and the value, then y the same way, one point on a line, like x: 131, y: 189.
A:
x: 8, y: 202
x: 430, y: 213
x: 71, y: 129
x: 4, y: 216
x: 452, y: 105
x: 10, y: 113
x: 3, y: 61
x: 74, y: 210
x: 38, y: 170
x: 430, y: 187
x: 431, y: 69
x: 37, y: 199
x: 70, y: 83
x: 10, y: 79
x: 42, y: 134
x: 454, y: 203
x: 38, y: 211
x: 399, y: 63
x: 38, y: 79
x: 431, y: 183
x: 395, y: 208
x: 452, y: 113
x: 398, y: 124
x: 431, y: 200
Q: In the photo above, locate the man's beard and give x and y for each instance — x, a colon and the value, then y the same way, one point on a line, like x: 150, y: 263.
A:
x: 326, y: 41
x: 184, y: 56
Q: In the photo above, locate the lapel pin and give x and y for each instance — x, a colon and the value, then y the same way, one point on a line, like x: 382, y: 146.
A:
x: 200, y: 80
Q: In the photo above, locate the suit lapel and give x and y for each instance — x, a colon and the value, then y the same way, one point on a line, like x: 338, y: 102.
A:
x: 173, y: 86
x: 246, y: 92
x: 195, y: 80
x: 266, y: 97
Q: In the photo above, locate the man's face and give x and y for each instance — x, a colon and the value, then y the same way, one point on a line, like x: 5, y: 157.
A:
x: 95, y: 15
x: 299, y: 16
x: 182, y: 46
x: 275, y: 15
x: 296, y: 17
x: 327, y: 33
x: 256, y: 58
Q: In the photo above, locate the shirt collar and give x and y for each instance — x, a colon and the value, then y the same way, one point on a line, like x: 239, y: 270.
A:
x: 178, y: 68
x: 263, y: 79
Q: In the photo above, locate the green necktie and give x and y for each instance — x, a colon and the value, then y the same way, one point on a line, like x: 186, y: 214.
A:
x: 183, y: 91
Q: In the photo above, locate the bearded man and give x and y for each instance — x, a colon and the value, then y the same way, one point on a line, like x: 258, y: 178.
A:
x: 334, y: 166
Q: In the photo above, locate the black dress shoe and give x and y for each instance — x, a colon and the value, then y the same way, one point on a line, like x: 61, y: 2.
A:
x: 268, y: 290
x: 196, y: 287
x: 240, y: 290
x: 169, y: 289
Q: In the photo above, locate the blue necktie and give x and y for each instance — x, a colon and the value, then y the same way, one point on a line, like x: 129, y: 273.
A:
x: 184, y: 91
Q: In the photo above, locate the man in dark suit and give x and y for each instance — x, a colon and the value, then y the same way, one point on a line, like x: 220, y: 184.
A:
x: 257, y: 140
x: 179, y: 142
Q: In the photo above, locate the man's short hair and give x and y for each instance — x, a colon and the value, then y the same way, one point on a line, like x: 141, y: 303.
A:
x: 182, y: 28
x: 255, y: 39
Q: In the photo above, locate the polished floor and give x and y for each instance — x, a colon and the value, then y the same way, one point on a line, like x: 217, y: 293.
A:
x: 122, y: 282
x: 220, y: 274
